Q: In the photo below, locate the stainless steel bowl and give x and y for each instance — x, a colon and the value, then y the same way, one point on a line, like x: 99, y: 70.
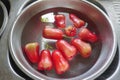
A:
x: 27, y: 28
x: 3, y: 17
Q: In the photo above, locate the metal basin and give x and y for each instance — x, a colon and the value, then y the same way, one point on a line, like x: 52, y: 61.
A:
x: 28, y: 28
x: 3, y: 17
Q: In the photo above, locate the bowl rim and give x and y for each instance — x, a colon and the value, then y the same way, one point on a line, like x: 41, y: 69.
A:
x: 93, y: 76
x: 5, y: 19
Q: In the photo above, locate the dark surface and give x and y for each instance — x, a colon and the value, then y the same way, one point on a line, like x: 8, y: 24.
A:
x: 7, y: 4
x: 1, y: 16
x: 14, y: 73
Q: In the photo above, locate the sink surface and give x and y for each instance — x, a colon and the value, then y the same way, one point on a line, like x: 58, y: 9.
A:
x: 9, y: 69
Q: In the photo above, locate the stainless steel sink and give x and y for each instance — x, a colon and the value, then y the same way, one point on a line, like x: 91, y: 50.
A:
x: 9, y: 69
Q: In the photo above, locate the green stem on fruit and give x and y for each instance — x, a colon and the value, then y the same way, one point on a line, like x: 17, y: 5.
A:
x: 44, y: 19
x: 48, y: 46
x: 67, y: 37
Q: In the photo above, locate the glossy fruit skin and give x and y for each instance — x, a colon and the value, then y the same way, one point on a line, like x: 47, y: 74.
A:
x: 32, y: 52
x: 45, y: 62
x: 78, y: 23
x: 60, y: 20
x: 52, y: 33
x: 84, y: 48
x: 87, y: 35
x: 70, y: 31
x: 60, y: 63
x: 67, y: 50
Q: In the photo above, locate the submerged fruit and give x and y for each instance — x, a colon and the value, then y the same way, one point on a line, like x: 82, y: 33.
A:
x: 60, y: 21
x: 87, y: 35
x: 60, y: 63
x: 83, y: 47
x: 67, y: 50
x: 53, y: 33
x: 76, y: 21
x: 32, y: 52
x: 45, y: 62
